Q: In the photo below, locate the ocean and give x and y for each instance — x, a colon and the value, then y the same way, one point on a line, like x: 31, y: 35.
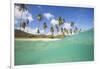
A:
x: 76, y: 48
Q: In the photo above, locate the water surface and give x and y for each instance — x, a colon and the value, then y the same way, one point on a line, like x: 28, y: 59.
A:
x: 70, y: 49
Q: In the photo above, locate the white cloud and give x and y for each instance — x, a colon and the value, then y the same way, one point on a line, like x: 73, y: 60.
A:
x: 42, y: 31
x: 55, y: 33
x: 31, y: 30
x: 17, y: 28
x: 67, y: 26
x: 29, y: 16
x: 17, y: 13
x: 48, y: 15
x: 59, y: 33
x: 49, y: 33
x: 25, y: 14
x: 39, y: 7
x: 54, y: 22
x: 28, y: 30
x: 15, y: 21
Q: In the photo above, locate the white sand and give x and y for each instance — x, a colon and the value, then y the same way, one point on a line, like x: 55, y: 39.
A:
x: 36, y: 39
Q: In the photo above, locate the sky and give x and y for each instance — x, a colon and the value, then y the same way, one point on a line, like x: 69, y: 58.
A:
x: 82, y: 17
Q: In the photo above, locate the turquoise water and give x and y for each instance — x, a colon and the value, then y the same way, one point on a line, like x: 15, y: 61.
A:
x: 70, y: 49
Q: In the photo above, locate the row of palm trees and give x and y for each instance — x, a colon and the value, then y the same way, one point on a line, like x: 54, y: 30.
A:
x: 58, y: 27
x: 22, y: 9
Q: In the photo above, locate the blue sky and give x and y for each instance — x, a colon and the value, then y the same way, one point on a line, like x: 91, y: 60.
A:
x: 82, y: 17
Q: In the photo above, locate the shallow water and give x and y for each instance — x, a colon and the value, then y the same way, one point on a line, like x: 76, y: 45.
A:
x: 70, y: 49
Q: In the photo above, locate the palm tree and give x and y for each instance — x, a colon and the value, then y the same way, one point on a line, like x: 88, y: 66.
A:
x: 44, y: 26
x: 80, y: 30
x: 75, y: 30
x: 60, y: 22
x: 70, y: 31
x: 57, y: 28
x: 62, y: 30
x: 38, y: 31
x: 39, y: 18
x: 25, y: 23
x: 72, y: 25
x: 22, y: 8
x: 52, y: 31
x: 65, y: 30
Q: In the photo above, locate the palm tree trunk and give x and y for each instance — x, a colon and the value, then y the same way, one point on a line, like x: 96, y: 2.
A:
x: 21, y: 20
x: 52, y: 34
x: 45, y: 31
x: 38, y: 28
x: 63, y: 34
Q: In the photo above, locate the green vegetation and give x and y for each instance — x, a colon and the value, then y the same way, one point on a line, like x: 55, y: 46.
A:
x: 21, y: 34
x: 39, y: 18
x: 64, y: 39
x: 45, y: 26
x: 57, y: 28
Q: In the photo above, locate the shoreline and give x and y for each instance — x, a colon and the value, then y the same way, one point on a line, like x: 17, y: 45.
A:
x: 36, y: 39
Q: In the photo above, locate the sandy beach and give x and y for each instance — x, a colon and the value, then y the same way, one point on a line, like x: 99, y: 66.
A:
x: 36, y: 39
